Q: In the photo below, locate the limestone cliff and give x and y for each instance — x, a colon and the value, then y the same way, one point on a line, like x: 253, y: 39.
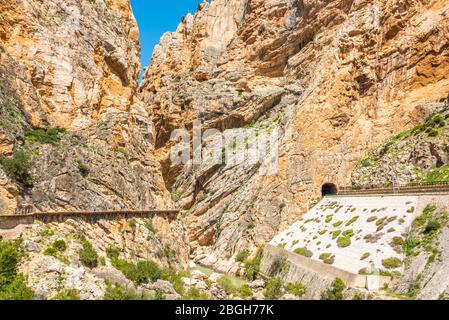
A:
x: 72, y: 67
x: 336, y: 77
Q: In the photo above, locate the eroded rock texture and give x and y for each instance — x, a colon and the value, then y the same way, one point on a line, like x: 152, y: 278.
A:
x: 149, y: 238
x: 75, y: 65
x: 73, y: 134
x: 339, y: 77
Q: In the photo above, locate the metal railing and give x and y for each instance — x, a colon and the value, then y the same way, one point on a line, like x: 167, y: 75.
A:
x: 397, y: 188
x: 24, y: 211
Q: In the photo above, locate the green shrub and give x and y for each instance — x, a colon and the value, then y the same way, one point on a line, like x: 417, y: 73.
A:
x: 12, y: 285
x: 358, y: 296
x: 425, y: 216
x: 195, y: 294
x: 252, y: 267
x: 438, y: 174
x: 281, y: 245
x: 432, y: 226
x: 329, y: 218
x: 142, y: 272
x: 344, y: 242
x: 176, y: 196
x: 337, y: 224
x: 15, y: 289
x: 244, y: 291
x: 327, y: 258
x: 83, y: 169
x: 56, y: 247
x: 348, y: 233
x: 60, y: 245
x: 434, y: 132
x: 166, y: 252
x: 335, y: 234
x: 226, y: 284
x: 364, y: 272
x: 409, y: 245
x: 88, y: 255
x: 112, y: 252
x: 150, y: 227
x: 273, y: 289
x: 159, y: 295
x: 391, y: 263
x: 50, y: 251
x: 304, y: 252
x: 242, y: 256
x: 381, y: 221
x: 398, y: 241
x: 47, y: 233
x: 146, y: 271
x: 335, y: 292
x: 69, y: 294
x: 365, y: 256
x: 46, y: 136
x: 18, y: 167
x: 411, y: 210
x: 366, y: 163
x: 117, y: 292
x: 10, y: 255
x: 350, y: 222
x: 298, y: 289
x: 436, y: 120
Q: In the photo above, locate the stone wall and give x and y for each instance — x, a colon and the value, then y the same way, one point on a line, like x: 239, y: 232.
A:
x: 316, y: 276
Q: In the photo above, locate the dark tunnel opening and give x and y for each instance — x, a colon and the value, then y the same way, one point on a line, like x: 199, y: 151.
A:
x: 329, y: 189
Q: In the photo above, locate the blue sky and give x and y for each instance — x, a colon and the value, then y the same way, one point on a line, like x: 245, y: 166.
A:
x: 157, y: 17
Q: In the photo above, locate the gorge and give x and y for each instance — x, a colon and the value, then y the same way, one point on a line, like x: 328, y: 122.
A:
x: 345, y: 83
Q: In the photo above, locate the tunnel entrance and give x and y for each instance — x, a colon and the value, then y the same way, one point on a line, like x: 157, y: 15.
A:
x: 329, y: 189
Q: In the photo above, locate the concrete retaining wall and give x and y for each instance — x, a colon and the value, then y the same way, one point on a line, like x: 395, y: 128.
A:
x: 316, y: 275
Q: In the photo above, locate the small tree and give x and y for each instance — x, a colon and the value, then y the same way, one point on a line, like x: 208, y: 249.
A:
x: 335, y: 292
x: 273, y: 290
x: 88, y: 255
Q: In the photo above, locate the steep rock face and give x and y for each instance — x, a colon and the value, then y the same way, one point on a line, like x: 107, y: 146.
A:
x: 342, y: 75
x: 75, y: 65
x: 416, y: 155
x: 82, y: 57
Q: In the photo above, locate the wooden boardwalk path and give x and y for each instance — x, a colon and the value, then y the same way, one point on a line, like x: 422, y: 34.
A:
x: 11, y: 221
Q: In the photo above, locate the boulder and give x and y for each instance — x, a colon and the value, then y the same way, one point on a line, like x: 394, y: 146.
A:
x: 214, y: 277
x: 257, y: 284
x: 31, y: 246
x: 196, y: 274
x: 189, y: 281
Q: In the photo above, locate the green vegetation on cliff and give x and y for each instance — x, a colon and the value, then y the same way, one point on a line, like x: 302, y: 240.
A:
x: 335, y: 292
x: 252, y: 266
x: 420, y: 154
x: 146, y: 271
x: 17, y: 166
x: 12, y: 284
x: 45, y: 136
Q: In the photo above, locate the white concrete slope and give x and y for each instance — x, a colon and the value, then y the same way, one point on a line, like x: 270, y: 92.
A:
x: 373, y: 221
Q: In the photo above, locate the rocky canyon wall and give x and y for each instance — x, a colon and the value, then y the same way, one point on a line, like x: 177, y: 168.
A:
x: 335, y: 77
x: 73, y: 134
x: 74, y: 66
